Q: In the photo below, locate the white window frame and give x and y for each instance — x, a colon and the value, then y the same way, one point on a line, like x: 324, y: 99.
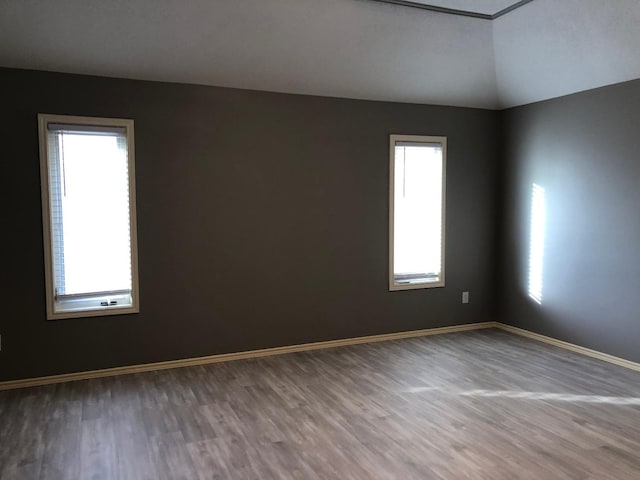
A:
x: 84, y: 307
x: 393, y: 139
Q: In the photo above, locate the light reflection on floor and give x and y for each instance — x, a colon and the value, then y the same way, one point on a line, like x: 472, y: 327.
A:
x: 559, y: 397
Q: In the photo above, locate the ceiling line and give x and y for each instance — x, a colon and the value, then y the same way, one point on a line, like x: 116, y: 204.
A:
x: 434, y: 8
x: 453, y: 11
x: 510, y: 9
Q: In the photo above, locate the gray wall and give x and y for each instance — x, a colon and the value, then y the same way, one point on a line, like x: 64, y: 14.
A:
x: 262, y: 221
x: 584, y: 149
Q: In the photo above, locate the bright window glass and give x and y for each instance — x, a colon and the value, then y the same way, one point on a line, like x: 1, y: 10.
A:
x: 417, y: 212
x: 90, y: 229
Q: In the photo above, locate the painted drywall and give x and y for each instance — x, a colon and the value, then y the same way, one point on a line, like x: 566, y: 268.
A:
x: 262, y: 221
x: 583, y: 150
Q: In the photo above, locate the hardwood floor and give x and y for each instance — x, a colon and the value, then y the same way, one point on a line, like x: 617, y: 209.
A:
x: 476, y: 405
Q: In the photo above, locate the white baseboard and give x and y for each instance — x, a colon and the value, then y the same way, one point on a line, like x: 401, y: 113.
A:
x: 266, y: 352
x: 570, y: 346
x: 227, y: 357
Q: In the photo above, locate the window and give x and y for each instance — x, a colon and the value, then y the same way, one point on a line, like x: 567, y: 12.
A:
x: 417, y: 212
x: 88, y: 200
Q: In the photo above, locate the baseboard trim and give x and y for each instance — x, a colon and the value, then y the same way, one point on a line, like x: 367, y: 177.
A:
x: 228, y: 357
x: 570, y: 346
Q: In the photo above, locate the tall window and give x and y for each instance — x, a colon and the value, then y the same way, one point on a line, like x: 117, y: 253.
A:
x: 417, y: 212
x: 88, y: 196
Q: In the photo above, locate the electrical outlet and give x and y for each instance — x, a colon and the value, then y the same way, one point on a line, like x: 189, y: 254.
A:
x: 465, y: 297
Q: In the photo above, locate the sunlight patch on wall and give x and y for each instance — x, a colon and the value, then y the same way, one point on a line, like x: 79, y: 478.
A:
x: 536, y: 243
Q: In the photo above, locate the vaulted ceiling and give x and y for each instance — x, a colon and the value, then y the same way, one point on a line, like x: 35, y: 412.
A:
x: 344, y: 48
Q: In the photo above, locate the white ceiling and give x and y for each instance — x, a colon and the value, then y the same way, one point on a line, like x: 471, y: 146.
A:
x: 551, y: 48
x: 343, y: 48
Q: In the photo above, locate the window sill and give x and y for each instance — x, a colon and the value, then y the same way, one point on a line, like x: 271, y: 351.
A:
x: 416, y: 286
x: 99, y: 311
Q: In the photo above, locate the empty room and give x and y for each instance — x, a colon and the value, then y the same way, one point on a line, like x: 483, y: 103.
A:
x: 320, y: 239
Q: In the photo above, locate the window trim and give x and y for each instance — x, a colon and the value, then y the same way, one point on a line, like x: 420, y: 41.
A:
x: 128, y: 124
x: 393, y: 139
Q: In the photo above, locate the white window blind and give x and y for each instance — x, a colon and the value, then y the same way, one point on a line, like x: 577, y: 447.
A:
x: 417, y: 212
x: 90, y: 215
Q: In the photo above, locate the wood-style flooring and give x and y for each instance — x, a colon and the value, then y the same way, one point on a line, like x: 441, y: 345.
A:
x: 476, y: 405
